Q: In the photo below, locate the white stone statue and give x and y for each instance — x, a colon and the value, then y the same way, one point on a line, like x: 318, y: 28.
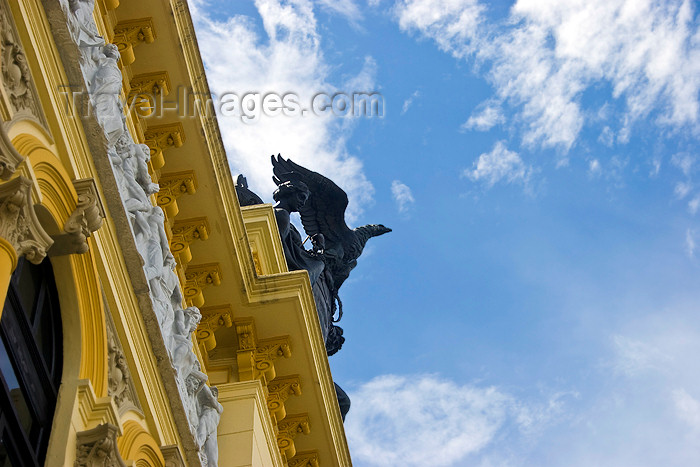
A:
x: 209, y: 415
x: 183, y: 358
x: 105, y: 92
x: 82, y: 24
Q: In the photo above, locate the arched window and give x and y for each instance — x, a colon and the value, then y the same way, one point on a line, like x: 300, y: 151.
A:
x: 31, y: 361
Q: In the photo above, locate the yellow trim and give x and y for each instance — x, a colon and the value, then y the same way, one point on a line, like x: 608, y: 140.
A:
x: 57, y: 192
x: 8, y: 263
x: 137, y: 445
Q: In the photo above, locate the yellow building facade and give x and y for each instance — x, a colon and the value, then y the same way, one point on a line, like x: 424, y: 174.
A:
x: 149, y: 320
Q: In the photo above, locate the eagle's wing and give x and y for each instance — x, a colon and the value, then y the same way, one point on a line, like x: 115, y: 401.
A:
x: 324, y: 211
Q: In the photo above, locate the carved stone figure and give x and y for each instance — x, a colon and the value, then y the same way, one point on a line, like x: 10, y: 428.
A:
x: 105, y: 90
x: 132, y: 164
x: 210, y: 413
x: 185, y: 324
x: 82, y: 23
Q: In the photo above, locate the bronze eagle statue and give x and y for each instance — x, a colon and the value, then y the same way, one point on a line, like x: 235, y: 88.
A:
x: 323, y: 218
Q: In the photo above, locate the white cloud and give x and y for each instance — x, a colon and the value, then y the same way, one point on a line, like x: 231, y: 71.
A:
x: 693, y: 205
x: 424, y: 420
x: 408, y: 102
x: 402, y: 195
x: 633, y: 357
x: 684, y: 162
x: 544, y: 56
x: 688, y: 408
x: 499, y: 164
x: 288, y: 58
x: 607, y: 136
x: 346, y: 8
x: 594, y: 168
x: 690, y: 242
x: 487, y: 115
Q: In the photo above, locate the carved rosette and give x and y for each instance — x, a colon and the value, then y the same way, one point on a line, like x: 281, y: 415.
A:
x: 98, y: 447
x: 18, y: 222
x: 198, y: 278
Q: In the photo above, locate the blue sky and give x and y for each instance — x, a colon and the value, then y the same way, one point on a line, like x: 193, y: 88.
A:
x: 537, y: 302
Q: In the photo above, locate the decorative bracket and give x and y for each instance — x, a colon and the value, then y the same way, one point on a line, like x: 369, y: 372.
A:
x: 161, y: 137
x: 98, y: 447
x: 184, y: 233
x: 198, y: 277
x: 86, y: 218
x: 144, y: 88
x: 213, y: 318
x: 278, y: 391
x: 305, y: 459
x: 128, y: 34
x: 288, y: 429
x: 256, y: 357
x: 173, y: 185
x: 19, y: 224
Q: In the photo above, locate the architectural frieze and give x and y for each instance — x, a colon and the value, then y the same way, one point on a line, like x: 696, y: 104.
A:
x: 170, y: 327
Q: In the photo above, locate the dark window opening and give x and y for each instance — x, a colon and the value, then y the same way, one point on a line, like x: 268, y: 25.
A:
x: 31, y: 362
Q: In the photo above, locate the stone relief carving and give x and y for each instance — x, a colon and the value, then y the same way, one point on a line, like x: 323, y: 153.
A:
x: 209, y: 415
x: 98, y: 448
x: 129, y: 161
x: 18, y: 222
x: 121, y: 386
x: 17, y: 77
x: 9, y: 157
x: 85, y: 219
